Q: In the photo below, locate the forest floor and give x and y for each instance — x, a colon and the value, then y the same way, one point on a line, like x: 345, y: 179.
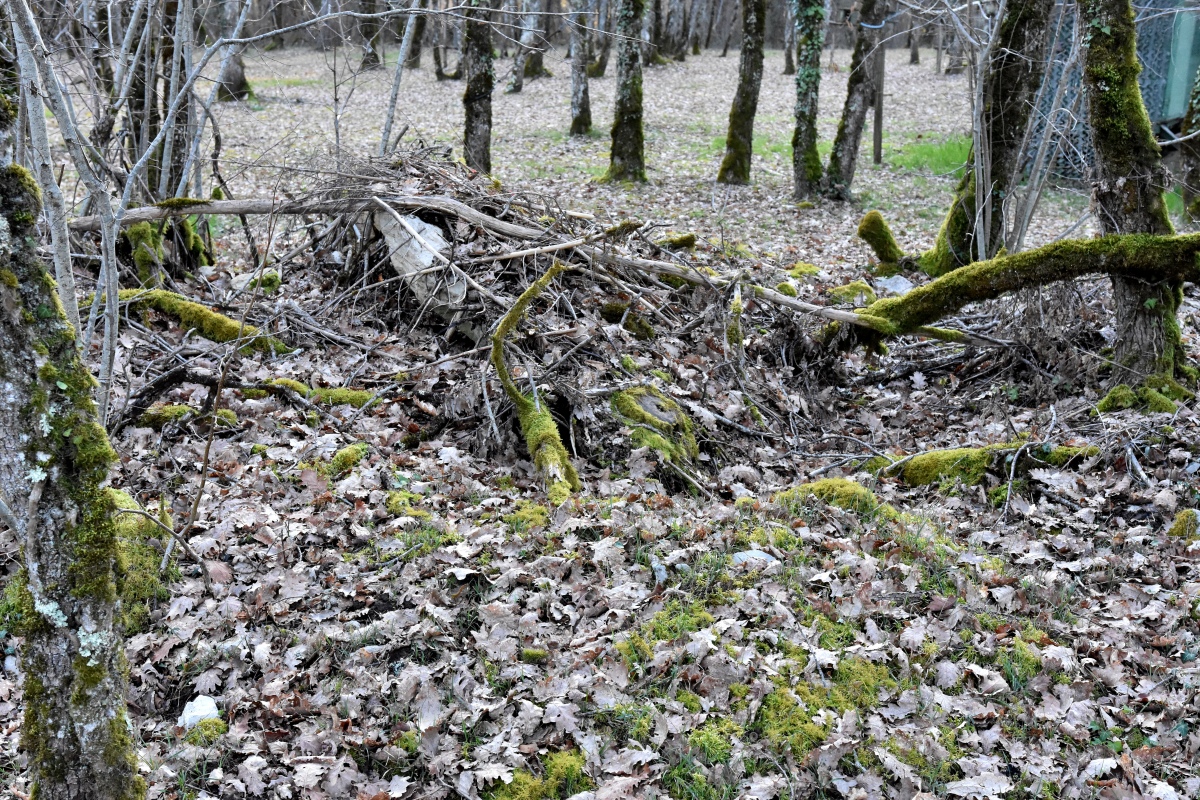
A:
x: 397, y: 611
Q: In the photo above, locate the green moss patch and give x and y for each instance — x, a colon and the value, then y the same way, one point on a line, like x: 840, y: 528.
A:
x: 657, y: 421
x: 346, y: 459
x: 528, y: 515
x: 1186, y: 525
x: 856, y: 293
x: 1156, y: 395
x: 802, y: 269
x: 617, y: 313
x: 562, y: 777
x: 840, y: 492
x: 160, y: 415
x: 206, y: 732
x: 713, y: 741
x: 140, y: 545
x: 679, y: 241
x: 399, y: 504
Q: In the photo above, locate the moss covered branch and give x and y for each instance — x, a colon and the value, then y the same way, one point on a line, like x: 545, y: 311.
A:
x: 1139, y: 257
x: 210, y: 324
x: 537, y: 423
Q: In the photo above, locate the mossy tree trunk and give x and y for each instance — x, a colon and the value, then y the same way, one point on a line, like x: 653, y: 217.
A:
x: 627, y: 156
x: 581, y: 104
x: 809, y: 16
x: 525, y: 46
x: 1127, y: 191
x: 477, y: 98
x: 1010, y: 84
x: 54, y: 462
x: 859, y: 89
x: 739, y: 143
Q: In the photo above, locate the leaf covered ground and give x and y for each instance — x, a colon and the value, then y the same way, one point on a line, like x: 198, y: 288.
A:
x: 799, y: 610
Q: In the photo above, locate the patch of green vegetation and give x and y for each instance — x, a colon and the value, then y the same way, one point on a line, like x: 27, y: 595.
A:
x: 679, y: 241
x: 341, y: 396
x: 786, y: 716
x: 528, y: 515
x: 968, y: 464
x: 346, y: 459
x: 159, y: 415
x: 676, y: 621
x: 786, y: 288
x: 140, y: 546
x: 226, y: 418
x: 941, y: 157
x: 1018, y: 663
x: 562, y: 777
x: 618, y: 313
x: 270, y: 282
x: 628, y: 721
x: 657, y: 421
x: 690, y: 700
x: 399, y: 504
x: 840, y: 492
x: 713, y: 741
x: 802, y: 269
x: 684, y: 781
x: 534, y: 655
x: 855, y: 293
x: 1186, y: 525
x: 424, y: 540
x: 206, y: 732
x: 1156, y: 395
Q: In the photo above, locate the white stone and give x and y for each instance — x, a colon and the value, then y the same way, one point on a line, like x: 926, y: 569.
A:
x: 198, y: 710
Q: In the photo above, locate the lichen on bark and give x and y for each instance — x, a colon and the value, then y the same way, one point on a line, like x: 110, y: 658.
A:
x: 75, y: 730
x: 739, y: 142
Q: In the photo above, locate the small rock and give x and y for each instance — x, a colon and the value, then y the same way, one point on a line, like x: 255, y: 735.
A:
x: 750, y: 555
x: 198, y: 710
x: 896, y: 284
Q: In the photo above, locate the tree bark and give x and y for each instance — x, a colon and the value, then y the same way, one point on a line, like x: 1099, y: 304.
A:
x: 529, y: 27
x: 1127, y: 192
x: 414, y: 53
x: 789, y: 39
x: 581, y: 104
x: 739, y: 143
x: 54, y: 461
x: 675, y: 31
x: 810, y: 35
x: 231, y: 83
x: 1189, y: 154
x: 914, y: 40
x: 477, y: 99
x: 839, y: 175
x: 1010, y: 86
x: 698, y: 29
x: 370, y: 30
x: 627, y: 157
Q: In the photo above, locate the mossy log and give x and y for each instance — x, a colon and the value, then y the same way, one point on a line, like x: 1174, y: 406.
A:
x: 210, y: 324
x: 1137, y: 257
x: 537, y: 423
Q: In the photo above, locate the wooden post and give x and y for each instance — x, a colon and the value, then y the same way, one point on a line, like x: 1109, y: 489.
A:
x: 939, y: 48
x: 877, y: 133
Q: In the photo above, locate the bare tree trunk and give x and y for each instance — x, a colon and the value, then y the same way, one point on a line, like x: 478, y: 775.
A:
x: 581, y: 105
x: 914, y: 40
x: 414, y: 54
x: 675, y: 31
x: 1127, y: 192
x: 231, y: 83
x: 859, y: 89
x: 1010, y: 83
x: 477, y: 99
x: 372, y: 58
x: 1189, y: 154
x: 627, y: 156
x: 54, y: 462
x: 700, y: 23
x: 529, y: 26
x: 599, y: 65
x: 789, y: 39
x: 810, y: 33
x: 739, y: 143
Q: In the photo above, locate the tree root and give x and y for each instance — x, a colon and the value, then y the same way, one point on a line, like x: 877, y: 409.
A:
x: 537, y: 424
